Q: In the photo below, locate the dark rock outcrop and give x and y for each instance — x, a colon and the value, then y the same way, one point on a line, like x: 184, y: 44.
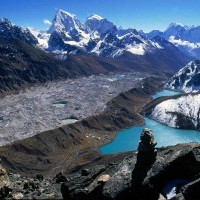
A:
x: 10, y: 31
x: 146, y: 157
x: 180, y: 161
x: 117, y: 176
x: 191, y: 190
x: 146, y: 149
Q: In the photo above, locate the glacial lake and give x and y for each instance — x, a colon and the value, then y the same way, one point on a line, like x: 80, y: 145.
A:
x: 127, y: 140
x: 165, y: 93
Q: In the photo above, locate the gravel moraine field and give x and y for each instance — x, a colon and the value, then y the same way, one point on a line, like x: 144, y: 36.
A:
x: 54, y: 104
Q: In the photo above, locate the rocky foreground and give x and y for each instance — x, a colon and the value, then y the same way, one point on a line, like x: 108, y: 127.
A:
x: 144, y: 174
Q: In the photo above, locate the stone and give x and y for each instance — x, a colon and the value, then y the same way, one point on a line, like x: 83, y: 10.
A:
x: 146, y: 149
x: 39, y: 177
x: 161, y: 197
x: 59, y: 178
x: 18, y: 196
x: 178, y: 197
x: 4, y: 178
x: 147, y: 142
x: 85, y: 172
x: 103, y: 178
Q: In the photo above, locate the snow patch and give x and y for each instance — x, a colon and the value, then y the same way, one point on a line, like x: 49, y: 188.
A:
x: 188, y: 106
x: 95, y: 17
x: 137, y: 49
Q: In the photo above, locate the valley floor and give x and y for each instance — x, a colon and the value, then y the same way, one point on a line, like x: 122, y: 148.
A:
x: 41, y: 108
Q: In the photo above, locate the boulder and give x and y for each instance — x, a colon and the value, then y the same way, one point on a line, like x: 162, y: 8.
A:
x: 4, y: 178
x: 4, y: 183
x: 146, y: 149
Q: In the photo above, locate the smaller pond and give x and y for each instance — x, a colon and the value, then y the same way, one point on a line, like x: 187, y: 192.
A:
x: 165, y: 93
x: 68, y: 121
x: 60, y: 104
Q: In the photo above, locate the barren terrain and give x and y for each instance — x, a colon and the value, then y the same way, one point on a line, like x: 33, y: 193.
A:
x: 45, y: 107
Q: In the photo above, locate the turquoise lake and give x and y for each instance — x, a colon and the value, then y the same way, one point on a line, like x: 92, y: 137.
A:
x: 165, y: 93
x: 127, y: 140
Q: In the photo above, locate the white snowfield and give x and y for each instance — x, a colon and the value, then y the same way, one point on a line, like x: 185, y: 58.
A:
x: 189, y: 106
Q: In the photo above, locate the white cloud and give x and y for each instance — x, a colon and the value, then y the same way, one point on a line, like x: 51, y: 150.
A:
x: 46, y: 22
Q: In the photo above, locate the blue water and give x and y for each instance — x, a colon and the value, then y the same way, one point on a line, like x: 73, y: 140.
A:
x: 165, y: 93
x: 128, y: 139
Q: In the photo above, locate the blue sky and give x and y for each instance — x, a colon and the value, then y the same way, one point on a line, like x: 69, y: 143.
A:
x: 139, y: 14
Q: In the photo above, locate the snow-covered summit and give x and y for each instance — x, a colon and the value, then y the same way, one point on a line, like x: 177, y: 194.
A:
x: 96, y: 23
x: 65, y: 21
x: 95, y: 17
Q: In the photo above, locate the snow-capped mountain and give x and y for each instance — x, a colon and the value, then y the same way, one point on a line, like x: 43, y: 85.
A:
x: 98, y: 36
x: 101, y: 38
x: 182, y: 112
x: 186, y: 38
x: 186, y: 79
x: 67, y: 33
x: 97, y: 25
x: 65, y: 22
x: 10, y: 31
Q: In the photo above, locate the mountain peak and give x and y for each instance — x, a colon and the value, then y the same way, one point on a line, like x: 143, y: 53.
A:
x: 63, y: 13
x: 95, y: 17
x: 179, y: 25
x: 4, y: 20
x: 65, y: 21
x: 99, y: 24
x: 174, y: 24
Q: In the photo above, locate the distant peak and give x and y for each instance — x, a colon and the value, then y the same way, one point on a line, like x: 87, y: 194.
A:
x: 3, y: 20
x: 173, y: 24
x: 95, y: 17
x: 65, y: 13
x: 64, y: 21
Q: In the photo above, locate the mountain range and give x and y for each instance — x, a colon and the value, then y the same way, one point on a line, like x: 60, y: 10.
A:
x: 185, y: 38
x: 70, y: 48
x: 100, y: 37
